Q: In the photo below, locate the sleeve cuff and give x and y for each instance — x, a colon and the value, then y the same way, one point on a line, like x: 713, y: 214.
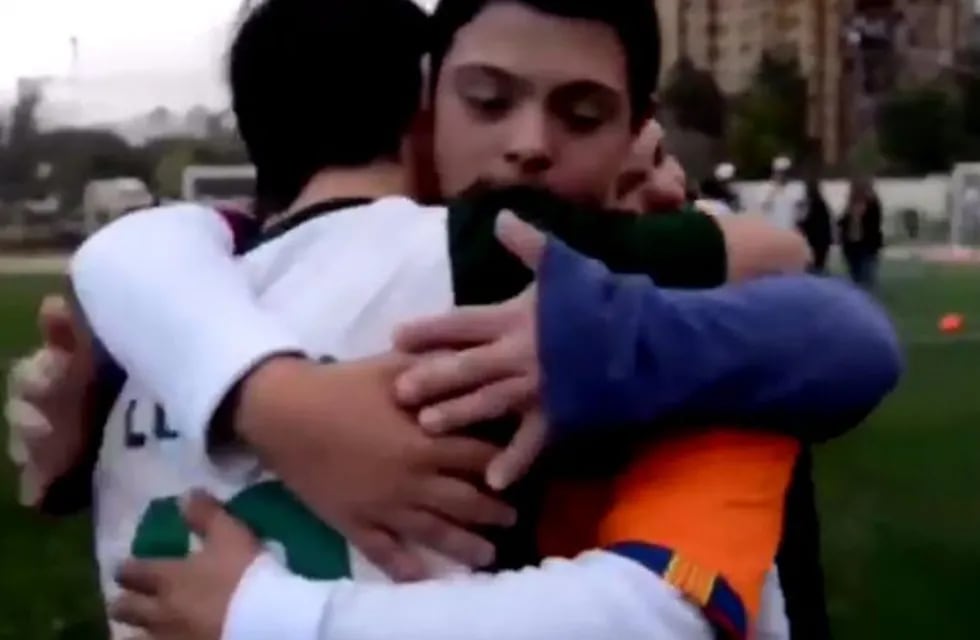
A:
x: 270, y: 602
x: 210, y: 380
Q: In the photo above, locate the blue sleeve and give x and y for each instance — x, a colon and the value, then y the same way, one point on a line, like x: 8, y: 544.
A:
x: 808, y: 356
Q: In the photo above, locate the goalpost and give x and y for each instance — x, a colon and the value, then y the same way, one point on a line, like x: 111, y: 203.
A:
x: 964, y: 228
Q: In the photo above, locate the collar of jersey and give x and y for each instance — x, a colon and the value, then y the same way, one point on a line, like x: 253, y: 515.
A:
x: 288, y: 223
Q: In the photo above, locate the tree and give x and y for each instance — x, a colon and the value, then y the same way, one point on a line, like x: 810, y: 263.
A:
x: 694, y: 99
x: 968, y: 82
x: 769, y: 119
x: 169, y: 157
x: 81, y: 155
x: 921, y: 130
x: 20, y: 154
x: 23, y: 118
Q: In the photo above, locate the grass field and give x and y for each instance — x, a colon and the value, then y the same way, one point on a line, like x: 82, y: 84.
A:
x: 899, y: 498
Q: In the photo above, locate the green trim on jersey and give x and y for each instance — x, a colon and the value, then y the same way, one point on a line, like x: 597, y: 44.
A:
x: 309, y: 547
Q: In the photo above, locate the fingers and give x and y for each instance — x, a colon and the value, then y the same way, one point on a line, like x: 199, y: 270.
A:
x: 446, y: 538
x: 463, y: 456
x: 31, y: 487
x: 142, y: 576
x: 463, y: 326
x: 443, y: 375
x: 135, y: 610
x: 25, y: 420
x: 201, y: 512
x: 57, y: 323
x: 523, y: 240
x: 208, y: 519
x: 486, y: 403
x: 516, y: 460
x: 464, y: 503
x: 33, y: 377
x: 389, y: 554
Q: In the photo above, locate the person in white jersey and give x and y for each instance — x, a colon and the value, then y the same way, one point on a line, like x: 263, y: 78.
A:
x: 780, y: 203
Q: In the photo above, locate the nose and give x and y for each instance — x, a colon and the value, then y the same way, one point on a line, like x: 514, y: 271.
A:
x: 529, y: 149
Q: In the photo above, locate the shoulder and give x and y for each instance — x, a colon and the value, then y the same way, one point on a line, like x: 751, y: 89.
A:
x: 379, y: 237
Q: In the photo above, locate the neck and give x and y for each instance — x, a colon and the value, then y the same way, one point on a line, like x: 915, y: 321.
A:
x: 374, y: 181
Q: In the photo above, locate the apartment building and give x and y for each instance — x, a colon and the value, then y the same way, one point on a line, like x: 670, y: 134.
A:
x: 833, y: 40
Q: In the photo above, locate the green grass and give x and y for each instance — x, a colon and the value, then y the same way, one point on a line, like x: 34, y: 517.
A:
x: 47, y: 586
x: 899, y: 497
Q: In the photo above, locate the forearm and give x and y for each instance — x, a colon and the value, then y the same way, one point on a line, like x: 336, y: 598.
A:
x: 162, y: 290
x: 755, y: 247
x: 598, y: 595
x: 806, y: 355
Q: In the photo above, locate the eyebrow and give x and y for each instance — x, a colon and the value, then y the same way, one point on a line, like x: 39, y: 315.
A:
x: 497, y: 73
x: 581, y: 86
x: 585, y: 87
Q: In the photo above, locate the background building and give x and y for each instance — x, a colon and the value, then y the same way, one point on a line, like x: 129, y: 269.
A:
x: 849, y: 50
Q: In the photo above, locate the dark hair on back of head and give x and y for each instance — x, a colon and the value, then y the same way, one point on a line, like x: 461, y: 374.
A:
x: 634, y: 21
x: 324, y: 83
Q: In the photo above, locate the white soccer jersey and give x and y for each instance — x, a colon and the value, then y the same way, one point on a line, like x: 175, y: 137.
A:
x: 341, y: 283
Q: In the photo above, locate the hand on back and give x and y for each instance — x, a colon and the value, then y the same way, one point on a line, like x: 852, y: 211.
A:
x: 497, y: 373
x: 334, y: 436
x: 46, y: 400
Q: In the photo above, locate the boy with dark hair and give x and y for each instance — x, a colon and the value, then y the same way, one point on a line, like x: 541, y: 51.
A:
x: 351, y: 117
x: 419, y: 272
x: 635, y: 23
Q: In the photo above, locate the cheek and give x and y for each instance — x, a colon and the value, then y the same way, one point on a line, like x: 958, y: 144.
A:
x: 463, y: 147
x: 586, y: 168
x: 664, y: 193
x: 632, y: 203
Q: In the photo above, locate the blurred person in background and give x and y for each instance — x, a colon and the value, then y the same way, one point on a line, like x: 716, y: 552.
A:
x: 780, y: 203
x: 860, y: 231
x: 718, y: 195
x: 816, y: 224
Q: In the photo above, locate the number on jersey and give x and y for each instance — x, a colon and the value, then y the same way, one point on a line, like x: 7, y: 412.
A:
x: 137, y: 439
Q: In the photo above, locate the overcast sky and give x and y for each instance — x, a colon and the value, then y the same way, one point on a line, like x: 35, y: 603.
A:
x: 135, y: 51
x: 113, y: 35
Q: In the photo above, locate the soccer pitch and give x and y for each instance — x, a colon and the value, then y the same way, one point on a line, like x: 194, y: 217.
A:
x: 899, y: 498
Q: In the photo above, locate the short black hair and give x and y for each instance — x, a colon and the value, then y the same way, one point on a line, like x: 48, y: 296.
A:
x: 324, y: 83
x: 634, y: 21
